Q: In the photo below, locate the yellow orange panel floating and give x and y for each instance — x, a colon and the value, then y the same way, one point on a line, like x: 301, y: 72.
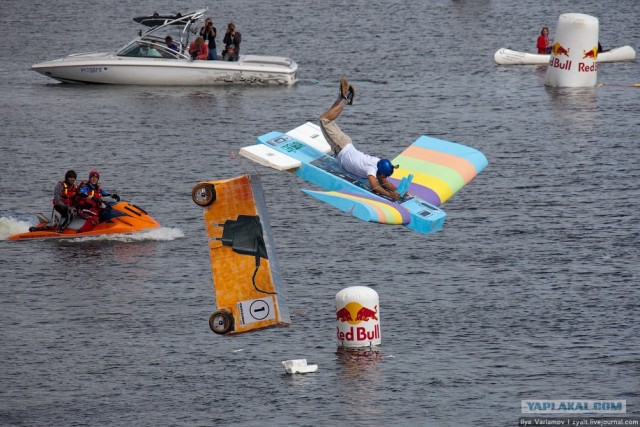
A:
x: 246, y: 277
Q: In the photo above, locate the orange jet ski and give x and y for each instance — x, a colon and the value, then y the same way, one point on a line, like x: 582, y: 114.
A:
x: 121, y: 217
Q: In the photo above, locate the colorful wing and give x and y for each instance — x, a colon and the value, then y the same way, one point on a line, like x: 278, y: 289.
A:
x: 440, y: 168
x: 366, y: 208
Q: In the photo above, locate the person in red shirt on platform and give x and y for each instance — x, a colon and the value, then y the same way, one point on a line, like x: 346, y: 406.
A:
x: 544, y: 46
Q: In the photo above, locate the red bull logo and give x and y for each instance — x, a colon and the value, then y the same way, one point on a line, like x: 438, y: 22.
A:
x: 354, y: 313
x: 556, y: 62
x: 344, y: 315
x: 591, y: 54
x: 558, y: 50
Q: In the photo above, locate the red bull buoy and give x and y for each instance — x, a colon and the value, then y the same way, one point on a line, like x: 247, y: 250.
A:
x: 573, y: 60
x: 358, y: 317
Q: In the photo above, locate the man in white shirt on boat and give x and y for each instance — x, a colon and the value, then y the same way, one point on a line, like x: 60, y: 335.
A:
x: 351, y: 159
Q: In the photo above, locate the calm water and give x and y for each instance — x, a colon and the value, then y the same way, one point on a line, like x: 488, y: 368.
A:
x: 529, y: 292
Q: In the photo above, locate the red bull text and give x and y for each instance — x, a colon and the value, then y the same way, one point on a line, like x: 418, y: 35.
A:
x: 565, y: 64
x: 359, y: 334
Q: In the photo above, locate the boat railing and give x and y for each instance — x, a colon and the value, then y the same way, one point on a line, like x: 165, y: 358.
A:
x: 186, y: 21
x: 156, y: 35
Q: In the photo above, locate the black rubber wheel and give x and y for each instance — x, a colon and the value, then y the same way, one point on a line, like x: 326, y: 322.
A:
x: 203, y: 194
x: 221, y: 322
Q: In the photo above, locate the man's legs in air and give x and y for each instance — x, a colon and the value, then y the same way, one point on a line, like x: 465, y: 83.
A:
x: 332, y: 133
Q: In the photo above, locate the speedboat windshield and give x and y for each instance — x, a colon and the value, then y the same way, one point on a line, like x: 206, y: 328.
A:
x: 152, y: 44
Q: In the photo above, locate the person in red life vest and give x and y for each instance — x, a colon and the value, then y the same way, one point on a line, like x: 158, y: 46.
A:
x: 89, y: 199
x: 543, y: 44
x: 64, y: 195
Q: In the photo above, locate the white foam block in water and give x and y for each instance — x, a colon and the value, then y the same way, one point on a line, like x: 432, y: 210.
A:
x: 298, y: 366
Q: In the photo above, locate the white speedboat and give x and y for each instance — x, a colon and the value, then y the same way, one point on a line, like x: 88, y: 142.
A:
x: 133, y: 65
x: 513, y: 57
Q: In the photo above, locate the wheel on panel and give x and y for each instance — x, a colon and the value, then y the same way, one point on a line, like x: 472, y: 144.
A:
x: 221, y: 322
x: 203, y: 194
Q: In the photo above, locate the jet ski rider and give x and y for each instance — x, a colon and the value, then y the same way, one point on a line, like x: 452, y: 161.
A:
x: 64, y: 195
x: 89, y: 200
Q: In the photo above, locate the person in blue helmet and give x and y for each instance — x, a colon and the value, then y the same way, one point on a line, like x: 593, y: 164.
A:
x: 89, y: 198
x: 352, y: 160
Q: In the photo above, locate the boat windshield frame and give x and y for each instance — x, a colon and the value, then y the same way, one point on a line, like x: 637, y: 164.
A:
x: 151, y: 44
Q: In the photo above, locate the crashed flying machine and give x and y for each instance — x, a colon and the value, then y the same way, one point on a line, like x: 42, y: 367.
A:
x: 431, y: 171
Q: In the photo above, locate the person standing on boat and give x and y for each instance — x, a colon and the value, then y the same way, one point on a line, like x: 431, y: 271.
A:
x: 64, y: 195
x: 208, y: 34
x: 199, y: 49
x: 543, y: 44
x: 232, y: 37
x: 352, y: 160
x: 90, y: 196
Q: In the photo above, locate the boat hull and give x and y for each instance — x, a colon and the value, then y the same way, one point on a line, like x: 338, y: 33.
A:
x: 513, y: 57
x: 134, y: 220
x: 109, y: 68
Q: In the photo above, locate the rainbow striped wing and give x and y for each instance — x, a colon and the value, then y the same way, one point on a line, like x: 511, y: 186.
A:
x: 364, y: 207
x: 440, y: 168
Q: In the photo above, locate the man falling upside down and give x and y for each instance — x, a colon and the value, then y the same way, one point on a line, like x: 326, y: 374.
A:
x: 352, y: 160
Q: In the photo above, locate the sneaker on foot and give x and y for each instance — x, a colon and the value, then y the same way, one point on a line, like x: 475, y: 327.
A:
x: 351, y: 93
x: 344, y: 88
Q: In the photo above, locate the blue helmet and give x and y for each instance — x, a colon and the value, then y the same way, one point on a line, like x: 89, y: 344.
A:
x: 385, y: 167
